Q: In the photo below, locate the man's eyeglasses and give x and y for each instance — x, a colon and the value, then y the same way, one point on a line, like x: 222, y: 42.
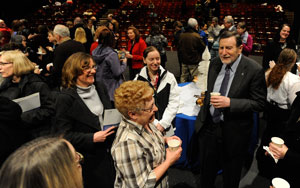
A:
x: 5, y: 63
x: 88, y: 68
x: 79, y: 158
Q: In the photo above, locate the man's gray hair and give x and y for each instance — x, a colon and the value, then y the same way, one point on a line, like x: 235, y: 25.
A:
x: 192, y: 22
x: 229, y: 19
x: 215, y: 19
x: 61, y: 30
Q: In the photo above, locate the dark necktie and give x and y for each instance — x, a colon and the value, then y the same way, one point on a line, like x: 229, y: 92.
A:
x: 217, y: 113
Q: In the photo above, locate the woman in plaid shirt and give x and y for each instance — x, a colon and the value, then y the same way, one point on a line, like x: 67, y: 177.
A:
x: 139, y: 153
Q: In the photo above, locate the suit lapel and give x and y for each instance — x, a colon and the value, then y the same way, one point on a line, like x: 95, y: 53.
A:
x: 80, y: 112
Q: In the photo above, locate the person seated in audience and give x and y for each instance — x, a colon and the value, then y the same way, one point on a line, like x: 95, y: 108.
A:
x: 21, y: 81
x: 159, y: 41
x: 139, y: 153
x: 281, y: 40
x: 282, y: 87
x: 136, y: 46
x: 246, y: 38
x: 12, y: 132
x: 165, y: 86
x: 43, y: 162
x: 79, y: 117
x: 109, y: 67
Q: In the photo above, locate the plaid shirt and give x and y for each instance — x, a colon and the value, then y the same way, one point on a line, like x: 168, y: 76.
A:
x: 136, y: 153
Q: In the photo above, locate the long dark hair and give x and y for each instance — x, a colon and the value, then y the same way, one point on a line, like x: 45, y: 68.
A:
x: 286, y: 59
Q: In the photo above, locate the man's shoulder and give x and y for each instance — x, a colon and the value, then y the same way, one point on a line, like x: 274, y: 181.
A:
x: 251, y: 63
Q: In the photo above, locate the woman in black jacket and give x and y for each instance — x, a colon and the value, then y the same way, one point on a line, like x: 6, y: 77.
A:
x: 79, y: 117
x: 21, y: 81
x: 281, y: 41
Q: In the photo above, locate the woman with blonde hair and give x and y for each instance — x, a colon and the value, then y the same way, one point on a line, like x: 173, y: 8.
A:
x: 21, y: 81
x: 79, y: 117
x: 80, y: 36
x: 43, y: 163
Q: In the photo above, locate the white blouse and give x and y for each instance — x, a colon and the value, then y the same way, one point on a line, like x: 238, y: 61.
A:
x: 286, y: 93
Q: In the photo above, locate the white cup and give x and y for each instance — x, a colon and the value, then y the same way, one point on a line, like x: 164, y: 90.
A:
x: 215, y: 94
x: 173, y: 144
x: 280, y: 183
x: 277, y: 141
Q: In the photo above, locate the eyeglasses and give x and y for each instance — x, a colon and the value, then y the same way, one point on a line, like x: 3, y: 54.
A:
x: 79, y: 158
x: 148, y: 109
x: 5, y: 63
x: 88, y: 68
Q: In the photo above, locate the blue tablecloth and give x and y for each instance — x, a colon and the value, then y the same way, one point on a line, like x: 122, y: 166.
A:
x: 184, y: 130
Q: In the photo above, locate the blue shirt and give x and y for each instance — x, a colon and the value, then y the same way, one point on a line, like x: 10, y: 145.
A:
x: 220, y: 77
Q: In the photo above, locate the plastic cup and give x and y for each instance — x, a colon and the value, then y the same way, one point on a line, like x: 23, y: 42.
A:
x: 173, y: 144
x: 280, y: 183
x: 277, y: 141
x: 215, y: 94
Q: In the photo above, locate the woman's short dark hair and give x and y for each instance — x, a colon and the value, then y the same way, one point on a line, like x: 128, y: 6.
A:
x: 155, y: 30
x: 106, y: 38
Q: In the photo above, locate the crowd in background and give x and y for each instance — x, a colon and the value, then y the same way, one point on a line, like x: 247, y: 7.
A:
x: 78, y: 71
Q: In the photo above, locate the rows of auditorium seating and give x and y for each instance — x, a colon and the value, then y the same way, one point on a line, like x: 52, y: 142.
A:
x: 263, y: 21
x: 52, y: 14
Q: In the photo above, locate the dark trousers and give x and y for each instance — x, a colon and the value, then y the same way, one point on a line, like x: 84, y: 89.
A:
x: 214, y: 157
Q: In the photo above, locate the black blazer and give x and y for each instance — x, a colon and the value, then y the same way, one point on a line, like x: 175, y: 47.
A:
x: 247, y: 94
x: 78, y: 124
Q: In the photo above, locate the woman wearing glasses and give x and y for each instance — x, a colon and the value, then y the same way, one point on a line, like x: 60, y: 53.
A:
x: 109, y: 67
x: 43, y: 162
x: 20, y: 81
x: 165, y: 89
x: 139, y: 153
x: 79, y: 117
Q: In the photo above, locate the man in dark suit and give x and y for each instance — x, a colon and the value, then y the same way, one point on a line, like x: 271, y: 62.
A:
x: 224, y: 123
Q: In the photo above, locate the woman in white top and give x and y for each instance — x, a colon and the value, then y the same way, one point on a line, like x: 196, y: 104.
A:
x: 282, y: 87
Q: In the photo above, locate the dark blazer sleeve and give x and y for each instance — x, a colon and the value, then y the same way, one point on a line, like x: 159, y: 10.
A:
x: 65, y: 124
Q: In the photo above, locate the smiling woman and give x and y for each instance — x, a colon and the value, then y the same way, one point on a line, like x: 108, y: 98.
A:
x: 145, y: 160
x: 79, y: 117
x: 165, y: 86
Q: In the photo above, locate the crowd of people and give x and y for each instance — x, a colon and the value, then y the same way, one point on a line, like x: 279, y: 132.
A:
x: 77, y: 73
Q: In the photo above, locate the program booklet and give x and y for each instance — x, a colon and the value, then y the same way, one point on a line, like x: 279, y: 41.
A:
x: 112, y: 117
x: 29, y: 102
